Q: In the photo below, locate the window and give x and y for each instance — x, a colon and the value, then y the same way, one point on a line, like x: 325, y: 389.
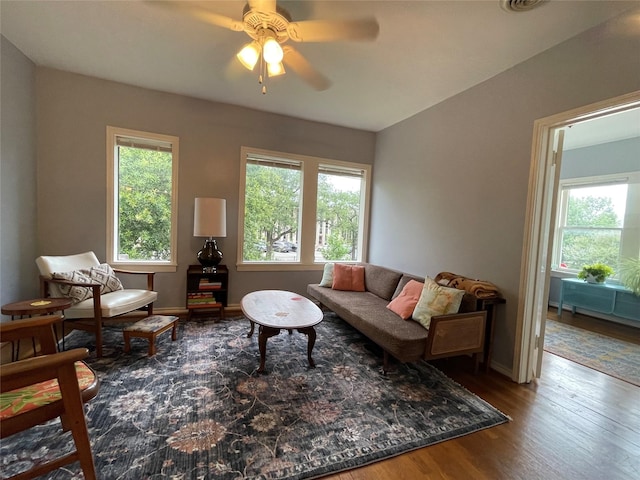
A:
x: 598, y: 220
x: 142, y: 182
x: 298, y: 211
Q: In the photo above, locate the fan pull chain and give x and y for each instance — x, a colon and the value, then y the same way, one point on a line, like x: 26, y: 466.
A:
x: 263, y: 75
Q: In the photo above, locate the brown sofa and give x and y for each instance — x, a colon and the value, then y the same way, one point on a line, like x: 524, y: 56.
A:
x: 406, y: 340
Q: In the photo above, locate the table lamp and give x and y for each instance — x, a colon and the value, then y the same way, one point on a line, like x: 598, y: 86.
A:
x: 210, y: 220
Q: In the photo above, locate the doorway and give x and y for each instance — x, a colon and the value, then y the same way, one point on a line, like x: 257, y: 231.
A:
x: 540, y: 218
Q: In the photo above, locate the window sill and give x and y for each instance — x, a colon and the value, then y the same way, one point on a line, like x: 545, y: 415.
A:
x: 145, y: 267
x: 278, y: 267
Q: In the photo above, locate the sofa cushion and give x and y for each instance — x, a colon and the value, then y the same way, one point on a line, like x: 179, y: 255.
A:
x: 436, y: 300
x: 348, y: 277
x: 381, y: 281
x: 368, y: 313
x: 327, y: 275
x: 406, y: 301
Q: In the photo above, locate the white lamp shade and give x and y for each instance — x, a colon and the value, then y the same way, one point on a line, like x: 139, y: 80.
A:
x: 210, y: 217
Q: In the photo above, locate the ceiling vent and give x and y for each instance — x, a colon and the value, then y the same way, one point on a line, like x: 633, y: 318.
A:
x: 521, y: 5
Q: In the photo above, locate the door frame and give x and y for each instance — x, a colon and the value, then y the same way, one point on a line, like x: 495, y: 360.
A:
x: 534, y: 276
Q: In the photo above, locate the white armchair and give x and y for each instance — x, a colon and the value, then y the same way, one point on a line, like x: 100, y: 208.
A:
x: 97, y: 293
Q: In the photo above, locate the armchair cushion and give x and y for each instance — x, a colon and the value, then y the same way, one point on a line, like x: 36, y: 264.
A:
x: 22, y: 400
x: 113, y: 304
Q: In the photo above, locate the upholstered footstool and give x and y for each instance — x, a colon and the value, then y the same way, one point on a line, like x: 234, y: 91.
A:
x: 150, y: 328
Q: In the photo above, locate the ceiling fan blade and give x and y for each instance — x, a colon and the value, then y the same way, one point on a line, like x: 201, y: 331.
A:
x: 300, y: 65
x: 331, y: 30
x: 203, y: 14
x: 263, y: 5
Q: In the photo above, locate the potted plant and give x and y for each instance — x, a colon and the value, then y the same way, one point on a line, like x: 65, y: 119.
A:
x: 630, y: 274
x: 595, y: 273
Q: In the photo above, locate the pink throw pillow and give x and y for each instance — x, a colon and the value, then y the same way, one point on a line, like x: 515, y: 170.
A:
x: 406, y: 301
x: 348, y: 277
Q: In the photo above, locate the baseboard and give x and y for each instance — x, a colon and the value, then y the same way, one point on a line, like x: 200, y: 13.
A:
x: 598, y: 315
x: 502, y: 369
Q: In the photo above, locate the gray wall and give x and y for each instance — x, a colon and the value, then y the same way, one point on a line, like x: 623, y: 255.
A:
x: 18, y: 277
x: 467, y: 161
x: 73, y: 112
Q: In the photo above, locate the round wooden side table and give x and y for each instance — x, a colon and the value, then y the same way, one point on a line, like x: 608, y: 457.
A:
x: 36, y: 306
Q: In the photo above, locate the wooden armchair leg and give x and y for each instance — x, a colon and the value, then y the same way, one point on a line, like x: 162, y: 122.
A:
x: 75, y: 420
x: 83, y: 445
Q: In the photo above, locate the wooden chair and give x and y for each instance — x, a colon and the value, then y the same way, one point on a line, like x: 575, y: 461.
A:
x: 38, y: 389
x: 91, y: 313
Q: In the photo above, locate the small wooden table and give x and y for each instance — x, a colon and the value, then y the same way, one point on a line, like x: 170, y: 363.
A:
x: 36, y: 306
x: 275, y: 310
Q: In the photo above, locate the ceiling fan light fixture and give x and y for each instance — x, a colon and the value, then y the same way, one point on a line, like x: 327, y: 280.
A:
x: 249, y: 55
x: 272, y: 51
x: 275, y: 69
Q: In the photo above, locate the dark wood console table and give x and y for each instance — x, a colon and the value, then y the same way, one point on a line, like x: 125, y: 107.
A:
x: 489, y: 304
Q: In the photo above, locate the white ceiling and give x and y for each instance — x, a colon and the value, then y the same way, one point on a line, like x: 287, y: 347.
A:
x: 426, y: 51
x: 609, y: 128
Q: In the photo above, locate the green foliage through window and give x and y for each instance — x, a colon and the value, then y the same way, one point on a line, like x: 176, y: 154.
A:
x: 271, y: 212
x: 144, y: 204
x: 592, y: 229
x: 283, y: 191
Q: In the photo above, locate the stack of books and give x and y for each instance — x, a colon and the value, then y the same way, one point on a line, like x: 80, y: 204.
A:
x: 206, y: 284
x: 201, y: 299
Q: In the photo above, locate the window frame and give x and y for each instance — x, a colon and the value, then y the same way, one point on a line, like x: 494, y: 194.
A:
x: 112, y: 195
x: 310, y: 168
x: 630, y: 231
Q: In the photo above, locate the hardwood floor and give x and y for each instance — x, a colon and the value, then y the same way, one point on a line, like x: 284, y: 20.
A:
x: 573, y: 423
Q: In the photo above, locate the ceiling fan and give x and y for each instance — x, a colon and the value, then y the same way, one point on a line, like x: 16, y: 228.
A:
x: 270, y: 27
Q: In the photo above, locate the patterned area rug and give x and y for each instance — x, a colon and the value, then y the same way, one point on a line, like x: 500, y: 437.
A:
x: 608, y: 355
x: 199, y: 410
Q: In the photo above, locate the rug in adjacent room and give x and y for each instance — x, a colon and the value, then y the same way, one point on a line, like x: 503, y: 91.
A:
x: 608, y: 355
x: 198, y: 409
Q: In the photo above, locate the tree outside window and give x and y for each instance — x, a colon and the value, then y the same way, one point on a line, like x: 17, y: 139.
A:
x: 142, y: 198
x: 144, y: 204
x: 591, y: 225
x: 282, y: 193
x: 271, y: 211
x: 338, y: 218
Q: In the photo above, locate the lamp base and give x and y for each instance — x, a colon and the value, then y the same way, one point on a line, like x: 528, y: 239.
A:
x: 209, y: 257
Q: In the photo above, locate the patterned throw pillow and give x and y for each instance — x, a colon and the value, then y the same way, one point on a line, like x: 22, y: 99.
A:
x: 77, y: 294
x: 105, y: 276
x: 327, y: 276
x: 436, y: 300
x: 102, y: 274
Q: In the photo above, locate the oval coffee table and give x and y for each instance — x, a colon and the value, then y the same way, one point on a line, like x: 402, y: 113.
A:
x: 274, y: 310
